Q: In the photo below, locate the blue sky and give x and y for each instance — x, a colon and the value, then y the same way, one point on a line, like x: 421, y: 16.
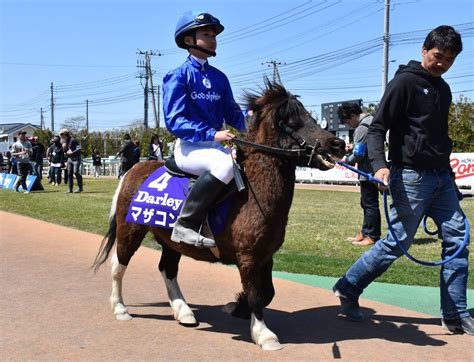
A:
x: 330, y: 49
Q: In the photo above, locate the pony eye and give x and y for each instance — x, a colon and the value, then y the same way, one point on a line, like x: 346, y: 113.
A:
x: 295, y: 123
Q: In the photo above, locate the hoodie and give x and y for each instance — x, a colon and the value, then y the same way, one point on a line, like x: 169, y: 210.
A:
x: 414, y: 108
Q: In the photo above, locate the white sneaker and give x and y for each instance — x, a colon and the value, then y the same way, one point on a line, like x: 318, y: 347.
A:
x: 26, y: 192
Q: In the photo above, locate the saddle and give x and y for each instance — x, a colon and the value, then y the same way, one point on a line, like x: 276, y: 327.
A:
x: 173, y: 169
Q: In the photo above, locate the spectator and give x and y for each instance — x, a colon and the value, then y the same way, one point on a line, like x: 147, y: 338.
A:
x: 96, y: 162
x: 136, y: 152
x: 415, y: 108
x: 48, y: 156
x: 74, y: 161
x: 171, y: 145
x: 352, y: 115
x: 57, y: 160
x: 126, y: 155
x: 22, y: 150
x: 38, y: 155
x: 31, y: 170
x: 11, y: 163
x: 66, y: 157
x: 155, y: 148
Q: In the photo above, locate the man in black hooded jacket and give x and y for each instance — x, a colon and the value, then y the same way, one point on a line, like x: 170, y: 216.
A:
x: 414, y: 108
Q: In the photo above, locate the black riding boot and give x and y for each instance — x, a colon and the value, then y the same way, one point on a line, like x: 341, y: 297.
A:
x: 203, y: 194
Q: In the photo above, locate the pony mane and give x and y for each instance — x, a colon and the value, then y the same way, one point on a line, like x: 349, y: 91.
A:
x: 273, y: 95
x: 268, y: 104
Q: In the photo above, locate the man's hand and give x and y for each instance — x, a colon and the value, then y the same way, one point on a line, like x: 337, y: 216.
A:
x: 225, y: 135
x: 384, y: 175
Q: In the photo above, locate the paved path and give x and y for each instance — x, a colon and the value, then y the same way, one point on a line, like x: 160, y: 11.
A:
x: 53, y: 308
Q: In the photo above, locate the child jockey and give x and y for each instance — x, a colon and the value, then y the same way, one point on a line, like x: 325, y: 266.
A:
x: 197, y: 99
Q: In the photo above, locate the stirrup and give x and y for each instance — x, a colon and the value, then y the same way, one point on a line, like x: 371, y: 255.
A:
x: 187, y: 235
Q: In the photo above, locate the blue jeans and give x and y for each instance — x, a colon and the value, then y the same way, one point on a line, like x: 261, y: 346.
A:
x: 414, y: 194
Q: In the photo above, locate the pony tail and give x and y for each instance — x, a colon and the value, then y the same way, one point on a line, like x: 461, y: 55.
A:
x: 107, y: 244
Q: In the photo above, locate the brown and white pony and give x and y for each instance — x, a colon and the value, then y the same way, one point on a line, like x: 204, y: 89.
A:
x: 281, y: 135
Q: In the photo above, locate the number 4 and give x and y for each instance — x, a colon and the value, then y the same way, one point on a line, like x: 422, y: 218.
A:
x: 161, y: 182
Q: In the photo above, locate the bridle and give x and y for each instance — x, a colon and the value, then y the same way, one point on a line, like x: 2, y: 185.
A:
x: 305, y: 149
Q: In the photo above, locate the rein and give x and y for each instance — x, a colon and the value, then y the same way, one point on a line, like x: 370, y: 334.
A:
x: 308, y: 151
x: 390, y: 227
x: 269, y: 149
x: 305, y: 150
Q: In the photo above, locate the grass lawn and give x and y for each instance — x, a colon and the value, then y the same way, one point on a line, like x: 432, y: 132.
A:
x: 319, y: 223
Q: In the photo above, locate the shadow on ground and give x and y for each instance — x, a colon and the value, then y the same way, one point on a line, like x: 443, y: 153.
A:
x: 315, y: 326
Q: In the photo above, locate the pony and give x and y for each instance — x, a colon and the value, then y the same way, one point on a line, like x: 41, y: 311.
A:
x: 281, y: 135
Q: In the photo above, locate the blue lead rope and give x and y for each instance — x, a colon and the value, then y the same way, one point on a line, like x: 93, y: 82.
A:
x: 387, y: 218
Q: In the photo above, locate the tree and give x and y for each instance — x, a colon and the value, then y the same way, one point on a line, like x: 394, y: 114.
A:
x: 461, y: 124
x: 44, y: 136
x: 74, y: 124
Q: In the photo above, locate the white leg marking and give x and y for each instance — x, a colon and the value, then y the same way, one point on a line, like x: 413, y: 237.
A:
x: 262, y: 336
x: 114, y: 199
x: 181, y: 311
x: 116, y: 299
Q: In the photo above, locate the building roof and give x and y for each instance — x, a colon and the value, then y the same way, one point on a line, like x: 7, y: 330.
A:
x: 8, y: 128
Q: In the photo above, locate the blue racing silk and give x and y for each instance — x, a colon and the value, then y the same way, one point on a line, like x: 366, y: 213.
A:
x: 197, y: 100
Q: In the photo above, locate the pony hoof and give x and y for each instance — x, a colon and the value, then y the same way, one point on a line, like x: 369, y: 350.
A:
x: 182, y: 313
x: 189, y: 322
x: 123, y: 317
x: 121, y: 312
x: 271, y: 345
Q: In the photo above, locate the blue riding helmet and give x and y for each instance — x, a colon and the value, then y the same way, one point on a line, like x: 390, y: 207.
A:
x: 192, y: 20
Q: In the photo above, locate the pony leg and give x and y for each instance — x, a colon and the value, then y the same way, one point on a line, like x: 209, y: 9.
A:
x: 129, y: 239
x: 169, y: 271
x: 259, y: 294
x: 116, y: 298
x: 240, y: 308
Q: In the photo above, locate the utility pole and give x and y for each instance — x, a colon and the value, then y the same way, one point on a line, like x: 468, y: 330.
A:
x: 145, y: 100
x: 386, y: 43
x: 158, y: 104
x: 144, y: 75
x: 87, y: 115
x: 276, y: 74
x: 42, y: 119
x: 149, y: 75
x: 105, y: 143
x: 52, y: 107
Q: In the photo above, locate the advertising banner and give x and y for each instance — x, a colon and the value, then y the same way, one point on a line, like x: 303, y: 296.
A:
x: 8, y: 181
x: 461, y: 163
x: 463, y: 166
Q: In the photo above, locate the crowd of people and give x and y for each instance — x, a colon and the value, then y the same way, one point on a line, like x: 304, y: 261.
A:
x: 63, y: 155
x: 130, y: 152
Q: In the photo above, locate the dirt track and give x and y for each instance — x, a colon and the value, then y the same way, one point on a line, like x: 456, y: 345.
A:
x: 54, y: 308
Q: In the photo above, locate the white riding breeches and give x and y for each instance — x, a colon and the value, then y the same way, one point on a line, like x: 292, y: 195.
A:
x: 198, y: 157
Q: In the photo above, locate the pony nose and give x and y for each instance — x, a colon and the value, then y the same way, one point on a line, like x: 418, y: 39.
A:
x: 337, y: 146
